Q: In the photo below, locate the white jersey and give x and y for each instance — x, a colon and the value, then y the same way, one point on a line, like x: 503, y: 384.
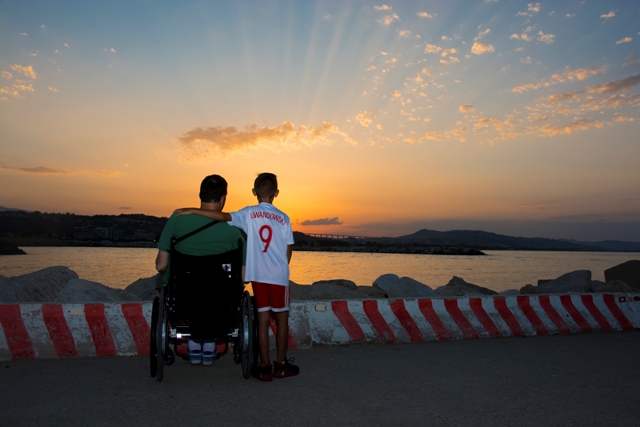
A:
x: 268, y: 235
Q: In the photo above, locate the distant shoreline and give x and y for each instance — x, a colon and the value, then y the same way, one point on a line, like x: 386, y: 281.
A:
x: 404, y: 248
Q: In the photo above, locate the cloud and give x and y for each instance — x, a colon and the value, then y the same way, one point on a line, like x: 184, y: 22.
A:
x: 425, y: 15
x: 111, y: 174
x: 53, y: 89
x: 365, y: 118
x: 27, y: 71
x: 451, y: 60
x: 456, y: 133
x: 608, y: 15
x: 497, y: 124
x: 482, y: 34
x: 558, y: 98
x: 616, y: 85
x: 466, y: 108
x: 203, y: 142
x: 383, y: 7
x: 40, y: 170
x: 624, y: 40
x: 321, y: 221
x: 575, y: 125
x: 448, y: 52
x: 427, y: 72
x: 389, y: 19
x: 112, y: 50
x: 432, y: 48
x: 532, y: 9
x: 22, y: 86
x: 480, y: 48
x: 24, y: 34
x: 125, y: 208
x: 404, y: 33
x: 546, y: 38
x: 7, y: 75
x: 567, y: 75
x: 579, y: 74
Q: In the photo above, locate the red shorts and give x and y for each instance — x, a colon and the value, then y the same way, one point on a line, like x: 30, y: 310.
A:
x: 271, y: 297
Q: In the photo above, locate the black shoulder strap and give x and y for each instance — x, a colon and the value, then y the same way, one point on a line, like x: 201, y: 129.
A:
x: 176, y: 240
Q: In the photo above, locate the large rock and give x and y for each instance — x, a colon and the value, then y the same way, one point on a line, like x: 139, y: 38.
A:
x: 628, y: 272
x: 339, y: 289
x: 11, y: 291
x: 84, y: 291
x: 45, y: 285
x: 576, y: 281
x: 611, y: 286
x: 457, y: 287
x: 7, y: 248
x: 403, y: 287
x: 529, y: 289
x: 145, y: 289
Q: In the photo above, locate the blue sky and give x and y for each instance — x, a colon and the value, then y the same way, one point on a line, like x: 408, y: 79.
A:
x: 380, y: 118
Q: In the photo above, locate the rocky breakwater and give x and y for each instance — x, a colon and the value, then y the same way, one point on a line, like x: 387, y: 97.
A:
x: 7, y: 248
x: 62, y: 285
x: 622, y: 278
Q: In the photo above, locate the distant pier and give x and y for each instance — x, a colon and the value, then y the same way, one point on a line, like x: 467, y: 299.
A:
x: 337, y: 236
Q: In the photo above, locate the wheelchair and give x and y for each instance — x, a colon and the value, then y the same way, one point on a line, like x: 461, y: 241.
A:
x: 205, y: 299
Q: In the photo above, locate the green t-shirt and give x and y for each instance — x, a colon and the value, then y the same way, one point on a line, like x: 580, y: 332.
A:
x: 214, y: 240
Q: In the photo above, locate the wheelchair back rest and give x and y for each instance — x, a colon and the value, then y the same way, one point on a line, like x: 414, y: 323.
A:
x: 205, y: 286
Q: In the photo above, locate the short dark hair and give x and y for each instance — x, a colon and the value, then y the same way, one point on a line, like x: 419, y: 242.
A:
x: 212, y: 189
x: 266, y: 185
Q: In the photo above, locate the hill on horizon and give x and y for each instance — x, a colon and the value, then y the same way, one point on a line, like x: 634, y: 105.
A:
x: 18, y: 222
x: 487, y: 240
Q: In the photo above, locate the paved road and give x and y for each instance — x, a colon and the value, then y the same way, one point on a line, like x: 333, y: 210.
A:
x: 577, y: 380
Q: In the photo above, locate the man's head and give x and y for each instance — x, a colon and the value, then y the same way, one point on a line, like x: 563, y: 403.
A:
x: 213, y: 189
x: 266, y: 186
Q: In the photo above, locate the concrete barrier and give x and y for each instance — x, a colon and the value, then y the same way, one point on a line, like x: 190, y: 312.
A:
x: 122, y: 329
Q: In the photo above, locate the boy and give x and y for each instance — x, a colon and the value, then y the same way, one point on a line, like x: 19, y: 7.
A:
x: 269, y: 240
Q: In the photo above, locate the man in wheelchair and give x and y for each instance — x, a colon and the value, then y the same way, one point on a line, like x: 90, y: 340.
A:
x: 189, y: 251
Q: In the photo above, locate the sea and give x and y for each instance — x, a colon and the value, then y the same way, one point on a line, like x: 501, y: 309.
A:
x: 497, y: 270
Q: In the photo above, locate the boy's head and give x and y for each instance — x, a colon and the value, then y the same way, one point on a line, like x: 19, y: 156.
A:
x: 213, y: 189
x: 266, y: 186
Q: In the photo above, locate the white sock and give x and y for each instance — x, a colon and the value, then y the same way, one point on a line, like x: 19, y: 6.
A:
x: 194, y: 345
x: 209, y: 346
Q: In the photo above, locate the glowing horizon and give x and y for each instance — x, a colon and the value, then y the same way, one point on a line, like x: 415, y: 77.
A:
x: 379, y: 118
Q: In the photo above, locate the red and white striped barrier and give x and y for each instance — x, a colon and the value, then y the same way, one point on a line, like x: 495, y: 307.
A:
x: 418, y: 320
x: 122, y: 329
x: 68, y: 330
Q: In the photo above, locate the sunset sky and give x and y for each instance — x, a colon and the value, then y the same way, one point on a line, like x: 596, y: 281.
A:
x: 379, y: 118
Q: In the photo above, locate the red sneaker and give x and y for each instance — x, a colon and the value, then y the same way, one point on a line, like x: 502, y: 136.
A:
x: 263, y: 373
x: 286, y: 369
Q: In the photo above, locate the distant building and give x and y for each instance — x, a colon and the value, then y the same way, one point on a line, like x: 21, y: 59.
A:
x: 143, y: 235
x: 82, y: 233
x: 110, y: 233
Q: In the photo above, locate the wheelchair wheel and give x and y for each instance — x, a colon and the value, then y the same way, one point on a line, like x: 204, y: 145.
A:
x: 248, y: 335
x: 169, y: 356
x: 153, y: 357
x: 161, y: 337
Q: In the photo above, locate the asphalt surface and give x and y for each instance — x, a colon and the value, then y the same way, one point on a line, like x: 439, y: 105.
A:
x: 576, y: 380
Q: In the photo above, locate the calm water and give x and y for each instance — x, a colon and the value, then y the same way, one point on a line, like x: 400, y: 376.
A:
x: 499, y: 270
